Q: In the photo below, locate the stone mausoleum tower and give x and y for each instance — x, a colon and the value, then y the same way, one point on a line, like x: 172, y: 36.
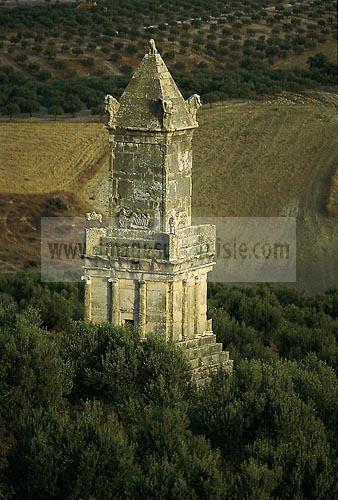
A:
x: 147, y: 266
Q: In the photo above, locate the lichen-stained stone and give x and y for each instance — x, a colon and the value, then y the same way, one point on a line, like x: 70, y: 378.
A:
x: 148, y: 265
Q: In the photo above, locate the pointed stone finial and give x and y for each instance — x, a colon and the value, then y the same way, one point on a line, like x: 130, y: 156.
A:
x: 193, y: 102
x: 111, y: 108
x: 153, y: 49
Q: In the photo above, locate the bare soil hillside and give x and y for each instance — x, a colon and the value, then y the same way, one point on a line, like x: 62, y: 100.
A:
x: 20, y: 224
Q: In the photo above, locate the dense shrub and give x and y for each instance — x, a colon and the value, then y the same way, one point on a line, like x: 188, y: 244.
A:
x: 58, y: 303
x: 268, y: 322
x: 91, y: 411
x: 267, y: 426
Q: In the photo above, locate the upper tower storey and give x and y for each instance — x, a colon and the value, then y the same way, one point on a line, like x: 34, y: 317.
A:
x: 150, y: 137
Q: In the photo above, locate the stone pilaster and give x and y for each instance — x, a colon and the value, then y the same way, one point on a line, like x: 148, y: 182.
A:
x: 87, y: 297
x: 142, y: 312
x: 196, y: 306
x: 170, y: 312
x: 184, y: 310
x: 110, y: 183
x: 115, y: 301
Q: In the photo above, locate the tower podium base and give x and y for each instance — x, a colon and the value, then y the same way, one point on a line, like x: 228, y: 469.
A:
x: 206, y: 356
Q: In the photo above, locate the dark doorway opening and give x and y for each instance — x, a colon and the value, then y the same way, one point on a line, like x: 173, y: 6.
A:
x: 129, y: 322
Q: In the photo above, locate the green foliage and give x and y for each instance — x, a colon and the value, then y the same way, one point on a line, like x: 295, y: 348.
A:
x: 78, y: 454
x: 91, y: 411
x: 318, y: 61
x: 113, y: 365
x: 136, y: 442
x: 44, y: 75
x: 11, y: 109
x: 58, y: 303
x: 273, y: 443
x: 31, y: 372
x: 55, y: 111
x: 251, y: 79
x: 20, y: 94
x: 266, y: 322
x: 176, y: 464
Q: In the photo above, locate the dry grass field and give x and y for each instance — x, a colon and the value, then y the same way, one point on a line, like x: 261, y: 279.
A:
x: 273, y: 160
x: 42, y: 157
x: 43, y: 170
x: 250, y: 159
x: 262, y: 159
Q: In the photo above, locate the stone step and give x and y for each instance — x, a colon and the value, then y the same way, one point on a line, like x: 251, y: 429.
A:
x: 207, y: 339
x: 205, y: 356
x: 209, y: 360
x: 188, y: 344
x: 203, y: 350
x: 203, y: 373
x: 197, y: 341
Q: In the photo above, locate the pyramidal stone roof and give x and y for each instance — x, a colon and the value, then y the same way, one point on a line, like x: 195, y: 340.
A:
x: 152, y: 100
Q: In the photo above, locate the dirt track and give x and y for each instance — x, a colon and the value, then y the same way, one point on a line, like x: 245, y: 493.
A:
x: 317, y: 236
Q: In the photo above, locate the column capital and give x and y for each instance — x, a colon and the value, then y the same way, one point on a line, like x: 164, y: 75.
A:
x: 87, y: 279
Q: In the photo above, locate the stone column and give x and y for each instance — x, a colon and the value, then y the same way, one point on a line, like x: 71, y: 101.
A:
x: 142, y: 308
x: 170, y: 312
x: 115, y: 301
x: 87, y: 297
x: 184, y: 310
x: 195, y: 306
x: 110, y: 183
x: 204, y: 304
